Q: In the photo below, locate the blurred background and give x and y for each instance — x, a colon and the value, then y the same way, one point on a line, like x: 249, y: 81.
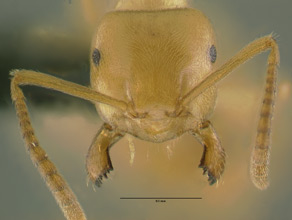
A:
x: 55, y: 36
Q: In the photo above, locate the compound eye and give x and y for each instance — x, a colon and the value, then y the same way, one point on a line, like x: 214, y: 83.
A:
x: 213, y: 54
x: 96, y: 56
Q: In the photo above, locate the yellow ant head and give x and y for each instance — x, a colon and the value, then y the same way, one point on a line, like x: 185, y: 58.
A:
x: 152, y: 58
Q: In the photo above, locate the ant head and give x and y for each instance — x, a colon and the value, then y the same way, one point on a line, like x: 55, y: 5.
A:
x: 152, y: 58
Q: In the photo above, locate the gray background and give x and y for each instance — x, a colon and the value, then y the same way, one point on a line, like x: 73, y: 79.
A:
x: 53, y: 37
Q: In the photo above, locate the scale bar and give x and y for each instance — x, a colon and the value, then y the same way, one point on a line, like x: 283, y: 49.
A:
x: 161, y: 198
